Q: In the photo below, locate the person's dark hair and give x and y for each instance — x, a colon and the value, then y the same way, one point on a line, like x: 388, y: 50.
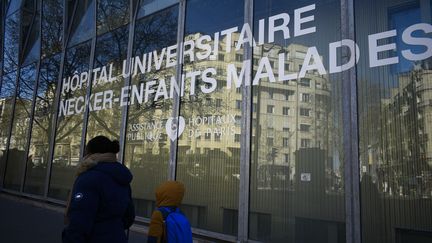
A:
x: 102, y: 144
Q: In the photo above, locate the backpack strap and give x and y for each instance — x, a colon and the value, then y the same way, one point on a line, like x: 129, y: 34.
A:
x: 165, y: 211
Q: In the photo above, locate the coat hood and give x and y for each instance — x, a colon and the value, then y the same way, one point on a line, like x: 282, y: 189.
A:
x: 170, y: 193
x: 117, y: 171
x: 106, y: 163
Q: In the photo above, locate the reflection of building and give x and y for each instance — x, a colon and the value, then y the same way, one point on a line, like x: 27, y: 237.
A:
x: 291, y: 115
x: 5, y: 111
x: 405, y: 164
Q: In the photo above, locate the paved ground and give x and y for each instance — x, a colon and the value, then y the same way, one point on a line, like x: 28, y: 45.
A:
x: 23, y: 222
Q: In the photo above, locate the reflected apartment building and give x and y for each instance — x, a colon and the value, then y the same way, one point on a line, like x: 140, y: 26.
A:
x: 293, y: 114
x: 400, y: 161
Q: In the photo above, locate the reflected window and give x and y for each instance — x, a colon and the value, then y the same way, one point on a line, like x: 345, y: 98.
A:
x: 304, y: 112
x: 238, y: 104
x: 304, y: 127
x: 270, y: 109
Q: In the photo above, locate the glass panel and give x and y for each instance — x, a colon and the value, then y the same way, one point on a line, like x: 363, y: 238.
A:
x: 44, y: 113
x: 70, y: 121
x: 20, y: 128
x: 297, y: 171
x: 52, y: 26
x: 14, y: 5
x: 6, y: 110
x: 148, y: 7
x: 208, y: 152
x: 147, y: 144
x: 105, y: 118
x: 395, y: 120
x: 11, y: 42
x: 83, y: 24
x: 111, y: 14
x: 31, y: 41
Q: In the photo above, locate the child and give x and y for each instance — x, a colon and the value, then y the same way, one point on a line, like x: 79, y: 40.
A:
x: 168, y: 224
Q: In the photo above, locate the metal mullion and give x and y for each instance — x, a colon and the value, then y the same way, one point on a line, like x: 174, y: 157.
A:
x: 245, y: 138
x: 89, y: 84
x: 128, y: 80
x: 66, y: 35
x: 350, y: 131
x: 36, y: 86
x: 172, y: 167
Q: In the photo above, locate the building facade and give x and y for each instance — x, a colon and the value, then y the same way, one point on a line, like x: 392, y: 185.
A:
x: 287, y: 121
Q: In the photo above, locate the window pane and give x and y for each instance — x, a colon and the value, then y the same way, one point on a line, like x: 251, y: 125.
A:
x: 395, y: 122
x: 31, y: 40
x: 297, y: 189
x: 7, y: 100
x: 52, y: 26
x: 111, y: 14
x: 70, y: 121
x: 11, y: 42
x: 147, y: 142
x: 14, y: 5
x: 150, y: 6
x: 105, y: 117
x: 44, y: 113
x: 20, y: 128
x: 209, y: 167
x: 83, y: 24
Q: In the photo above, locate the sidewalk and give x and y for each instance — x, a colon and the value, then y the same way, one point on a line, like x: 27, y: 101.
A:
x: 21, y: 221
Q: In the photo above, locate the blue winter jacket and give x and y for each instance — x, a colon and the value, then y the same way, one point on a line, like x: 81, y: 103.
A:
x: 100, y: 205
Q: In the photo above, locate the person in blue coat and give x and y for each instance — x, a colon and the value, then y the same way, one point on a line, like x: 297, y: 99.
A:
x: 100, y: 207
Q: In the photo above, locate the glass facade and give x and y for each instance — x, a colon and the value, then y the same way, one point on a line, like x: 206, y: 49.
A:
x: 394, y: 124
x: 287, y: 121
